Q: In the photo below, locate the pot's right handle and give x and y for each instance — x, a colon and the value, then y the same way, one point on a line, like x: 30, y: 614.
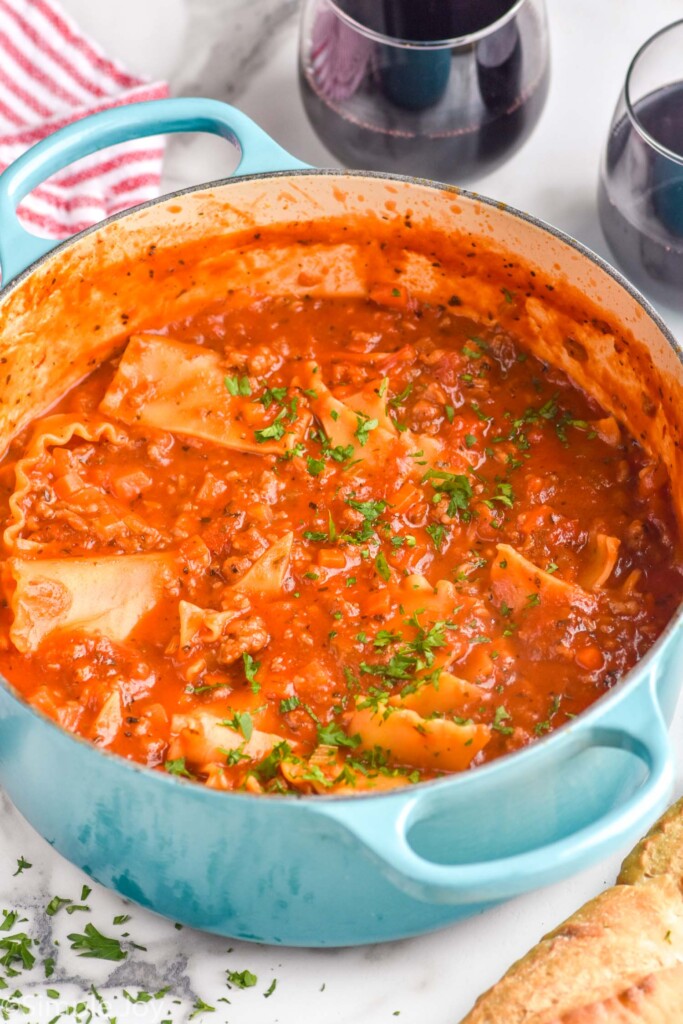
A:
x: 19, y: 248
x: 384, y: 828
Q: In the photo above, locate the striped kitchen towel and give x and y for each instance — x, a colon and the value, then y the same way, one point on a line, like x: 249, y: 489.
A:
x: 51, y: 74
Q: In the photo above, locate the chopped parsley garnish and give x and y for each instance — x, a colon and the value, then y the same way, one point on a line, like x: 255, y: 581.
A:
x: 270, y: 395
x: 370, y: 510
x: 470, y: 440
x: 382, y: 566
x: 199, y: 1006
x: 93, y: 944
x: 242, y: 722
x: 340, y: 452
x: 177, y: 767
x: 437, y: 532
x: 242, y: 979
x: 289, y: 704
x: 271, y: 988
x: 384, y: 638
x: 234, y: 756
x: 400, y: 399
x: 315, y: 466
x: 268, y: 767
x: 502, y: 715
x: 9, y: 918
x: 450, y: 413
x: 274, y: 432
x: 412, y: 656
x: 332, y: 735
x: 16, y: 949
x: 365, y: 425
x: 251, y: 667
x: 238, y: 386
x: 454, y: 486
x: 504, y: 495
x: 22, y: 865
x: 479, y: 414
x: 55, y: 904
x: 319, y: 535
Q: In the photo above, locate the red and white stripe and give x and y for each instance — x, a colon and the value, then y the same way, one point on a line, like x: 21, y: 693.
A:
x: 50, y: 75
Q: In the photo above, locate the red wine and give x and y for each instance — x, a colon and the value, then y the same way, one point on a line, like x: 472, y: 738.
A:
x: 641, y: 194
x: 449, y: 113
x: 425, y: 20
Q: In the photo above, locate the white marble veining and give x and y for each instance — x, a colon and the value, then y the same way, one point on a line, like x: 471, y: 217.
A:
x: 244, y: 51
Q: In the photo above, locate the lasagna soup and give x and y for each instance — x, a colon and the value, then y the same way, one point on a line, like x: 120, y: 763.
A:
x: 314, y: 545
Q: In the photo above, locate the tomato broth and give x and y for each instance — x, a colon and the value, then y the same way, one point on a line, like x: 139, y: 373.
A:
x: 329, y: 544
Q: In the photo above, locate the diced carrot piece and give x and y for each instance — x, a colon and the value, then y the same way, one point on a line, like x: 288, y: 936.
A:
x: 251, y: 413
x: 406, y: 497
x: 129, y: 485
x: 331, y: 558
x: 61, y: 460
x: 66, y: 486
x: 378, y: 603
x: 589, y: 658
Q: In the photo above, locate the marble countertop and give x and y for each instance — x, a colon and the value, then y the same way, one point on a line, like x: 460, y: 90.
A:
x: 244, y: 51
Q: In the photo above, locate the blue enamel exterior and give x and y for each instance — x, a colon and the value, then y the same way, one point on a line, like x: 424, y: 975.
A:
x: 327, y: 871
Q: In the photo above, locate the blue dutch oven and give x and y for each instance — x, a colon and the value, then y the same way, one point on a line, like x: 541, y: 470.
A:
x: 320, y: 871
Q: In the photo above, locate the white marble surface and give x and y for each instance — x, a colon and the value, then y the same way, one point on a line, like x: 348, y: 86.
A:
x: 245, y: 51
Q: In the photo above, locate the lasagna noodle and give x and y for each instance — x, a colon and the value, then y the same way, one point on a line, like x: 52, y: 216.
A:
x: 50, y: 432
x: 177, y: 387
x: 107, y: 595
x: 361, y: 421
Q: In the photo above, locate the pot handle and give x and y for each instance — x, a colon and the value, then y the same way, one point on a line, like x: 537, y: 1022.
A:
x: 383, y: 828
x: 19, y: 248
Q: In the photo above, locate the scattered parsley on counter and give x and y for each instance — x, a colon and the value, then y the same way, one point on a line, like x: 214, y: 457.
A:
x: 200, y: 1006
x: 241, y: 979
x: 93, y: 944
x: 55, y: 904
x: 22, y: 865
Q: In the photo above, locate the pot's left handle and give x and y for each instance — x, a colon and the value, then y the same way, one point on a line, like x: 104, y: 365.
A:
x: 19, y: 248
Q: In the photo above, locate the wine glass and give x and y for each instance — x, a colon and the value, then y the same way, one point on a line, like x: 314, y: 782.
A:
x: 641, y: 182
x: 440, y: 88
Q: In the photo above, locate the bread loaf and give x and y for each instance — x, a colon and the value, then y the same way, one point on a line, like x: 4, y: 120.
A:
x: 618, y: 960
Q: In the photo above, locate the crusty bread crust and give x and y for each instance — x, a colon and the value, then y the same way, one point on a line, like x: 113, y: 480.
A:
x: 659, y: 853
x: 654, y: 1000
x: 618, y: 960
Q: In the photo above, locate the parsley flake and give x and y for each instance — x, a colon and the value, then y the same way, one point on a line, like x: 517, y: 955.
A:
x: 238, y: 386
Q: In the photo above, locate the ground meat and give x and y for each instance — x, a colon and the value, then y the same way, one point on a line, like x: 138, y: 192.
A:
x: 246, y: 636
